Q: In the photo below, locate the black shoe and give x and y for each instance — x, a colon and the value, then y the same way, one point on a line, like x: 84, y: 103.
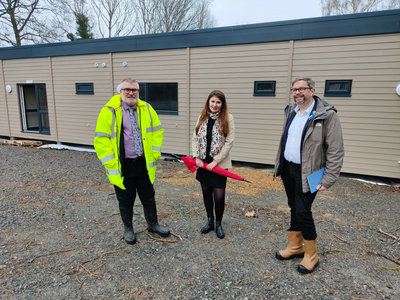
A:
x: 158, y: 229
x: 219, y: 231
x: 129, y: 236
x: 209, y: 226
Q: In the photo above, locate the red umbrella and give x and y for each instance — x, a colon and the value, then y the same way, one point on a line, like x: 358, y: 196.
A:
x: 190, y: 163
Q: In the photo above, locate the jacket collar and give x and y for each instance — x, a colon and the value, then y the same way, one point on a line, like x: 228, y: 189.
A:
x: 322, y: 107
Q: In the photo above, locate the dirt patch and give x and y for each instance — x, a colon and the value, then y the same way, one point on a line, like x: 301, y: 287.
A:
x: 259, y: 181
x: 61, y: 236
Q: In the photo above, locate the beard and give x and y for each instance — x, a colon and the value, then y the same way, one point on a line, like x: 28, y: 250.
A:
x: 302, y: 100
x: 131, y: 101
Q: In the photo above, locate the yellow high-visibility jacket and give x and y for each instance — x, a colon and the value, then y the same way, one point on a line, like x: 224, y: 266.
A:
x: 107, y: 140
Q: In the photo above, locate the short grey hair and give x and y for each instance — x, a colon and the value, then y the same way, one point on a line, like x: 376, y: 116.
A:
x: 129, y: 80
x: 310, y: 82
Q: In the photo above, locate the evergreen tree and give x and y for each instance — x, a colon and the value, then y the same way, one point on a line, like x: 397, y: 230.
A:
x: 83, y: 30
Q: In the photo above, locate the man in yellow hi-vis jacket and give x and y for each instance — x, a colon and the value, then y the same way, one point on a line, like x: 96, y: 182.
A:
x: 128, y: 142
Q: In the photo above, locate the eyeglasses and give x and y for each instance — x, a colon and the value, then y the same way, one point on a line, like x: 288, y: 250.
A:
x: 130, y: 90
x: 301, y: 90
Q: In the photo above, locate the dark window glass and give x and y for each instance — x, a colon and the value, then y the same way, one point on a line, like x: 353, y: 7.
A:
x: 264, y: 88
x: 84, y: 88
x: 338, y: 88
x: 163, y: 97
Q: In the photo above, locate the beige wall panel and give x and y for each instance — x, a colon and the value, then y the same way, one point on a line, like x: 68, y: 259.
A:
x: 372, y: 133
x: 4, y: 127
x: 77, y: 114
x: 233, y: 69
x: 370, y: 117
x: 357, y: 54
x: 160, y: 66
x: 356, y: 167
x: 356, y: 40
x: 238, y: 50
x: 18, y: 72
x: 380, y: 127
x: 333, y: 74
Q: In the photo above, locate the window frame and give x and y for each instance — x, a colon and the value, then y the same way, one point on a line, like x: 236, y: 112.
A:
x: 39, y: 111
x: 81, y: 90
x: 268, y: 93
x: 144, y: 89
x: 338, y: 93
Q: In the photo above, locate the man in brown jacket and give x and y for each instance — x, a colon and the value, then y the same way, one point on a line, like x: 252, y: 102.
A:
x: 311, y: 140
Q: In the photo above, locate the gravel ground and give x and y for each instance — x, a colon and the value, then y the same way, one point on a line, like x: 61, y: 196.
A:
x: 60, y: 234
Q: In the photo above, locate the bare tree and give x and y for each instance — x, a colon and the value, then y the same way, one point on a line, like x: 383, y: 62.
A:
x: 114, y: 17
x: 341, y: 7
x: 146, y: 16
x: 172, y: 15
x: 24, y: 22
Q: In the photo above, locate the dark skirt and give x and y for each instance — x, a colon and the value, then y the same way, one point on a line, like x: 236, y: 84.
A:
x: 211, y: 179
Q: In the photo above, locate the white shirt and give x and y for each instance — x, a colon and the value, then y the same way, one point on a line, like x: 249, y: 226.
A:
x: 293, y: 142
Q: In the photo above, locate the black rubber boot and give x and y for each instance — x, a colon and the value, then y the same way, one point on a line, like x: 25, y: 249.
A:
x: 209, y: 226
x: 129, y: 235
x: 219, y: 231
x: 150, y: 213
x: 126, y: 216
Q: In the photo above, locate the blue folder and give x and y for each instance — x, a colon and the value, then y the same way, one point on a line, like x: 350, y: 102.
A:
x: 314, y: 179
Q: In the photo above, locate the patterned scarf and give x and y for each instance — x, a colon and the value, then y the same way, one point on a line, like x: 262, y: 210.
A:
x: 216, y: 138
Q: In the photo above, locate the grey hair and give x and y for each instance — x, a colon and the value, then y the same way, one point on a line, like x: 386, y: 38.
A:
x: 310, y: 82
x: 129, y: 80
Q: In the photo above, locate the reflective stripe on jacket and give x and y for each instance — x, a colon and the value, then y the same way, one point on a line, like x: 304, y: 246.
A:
x: 107, y: 141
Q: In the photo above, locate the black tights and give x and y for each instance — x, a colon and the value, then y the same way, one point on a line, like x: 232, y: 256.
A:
x: 213, y: 195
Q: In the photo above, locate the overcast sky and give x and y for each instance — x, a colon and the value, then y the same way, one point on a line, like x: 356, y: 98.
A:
x: 241, y: 12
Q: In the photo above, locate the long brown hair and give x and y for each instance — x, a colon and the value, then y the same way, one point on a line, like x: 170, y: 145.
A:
x: 223, y: 117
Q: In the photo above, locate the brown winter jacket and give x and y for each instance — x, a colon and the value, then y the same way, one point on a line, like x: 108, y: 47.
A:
x: 322, y: 145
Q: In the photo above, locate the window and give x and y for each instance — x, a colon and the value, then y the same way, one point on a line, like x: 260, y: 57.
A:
x: 338, y: 88
x: 162, y: 96
x: 264, y: 88
x: 84, y: 88
x: 33, y: 106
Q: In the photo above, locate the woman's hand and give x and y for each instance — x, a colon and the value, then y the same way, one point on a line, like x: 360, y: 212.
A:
x: 211, y: 165
x: 199, y: 163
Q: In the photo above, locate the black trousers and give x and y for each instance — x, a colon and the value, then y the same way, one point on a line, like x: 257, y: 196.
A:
x: 300, y: 203
x: 136, y: 180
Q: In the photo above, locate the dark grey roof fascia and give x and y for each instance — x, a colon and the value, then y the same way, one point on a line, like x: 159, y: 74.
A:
x: 381, y: 22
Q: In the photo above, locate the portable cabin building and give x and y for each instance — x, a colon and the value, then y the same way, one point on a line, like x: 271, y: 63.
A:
x: 54, y: 92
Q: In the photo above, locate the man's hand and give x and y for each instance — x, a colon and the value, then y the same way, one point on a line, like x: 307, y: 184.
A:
x: 211, y: 165
x: 279, y: 177
x: 199, y: 162
x: 321, y: 188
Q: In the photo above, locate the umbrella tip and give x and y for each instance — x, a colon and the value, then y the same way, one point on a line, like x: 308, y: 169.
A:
x: 246, y: 180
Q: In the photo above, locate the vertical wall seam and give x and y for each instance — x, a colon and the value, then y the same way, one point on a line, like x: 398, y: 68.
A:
x: 289, y: 72
x: 54, y: 98
x: 5, y: 97
x: 112, y: 74
x: 188, y: 101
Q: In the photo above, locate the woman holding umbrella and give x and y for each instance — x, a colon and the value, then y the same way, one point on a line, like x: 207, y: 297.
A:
x: 212, y: 140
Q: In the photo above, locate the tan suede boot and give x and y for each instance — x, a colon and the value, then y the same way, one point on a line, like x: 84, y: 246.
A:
x: 294, y: 247
x: 310, y: 261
